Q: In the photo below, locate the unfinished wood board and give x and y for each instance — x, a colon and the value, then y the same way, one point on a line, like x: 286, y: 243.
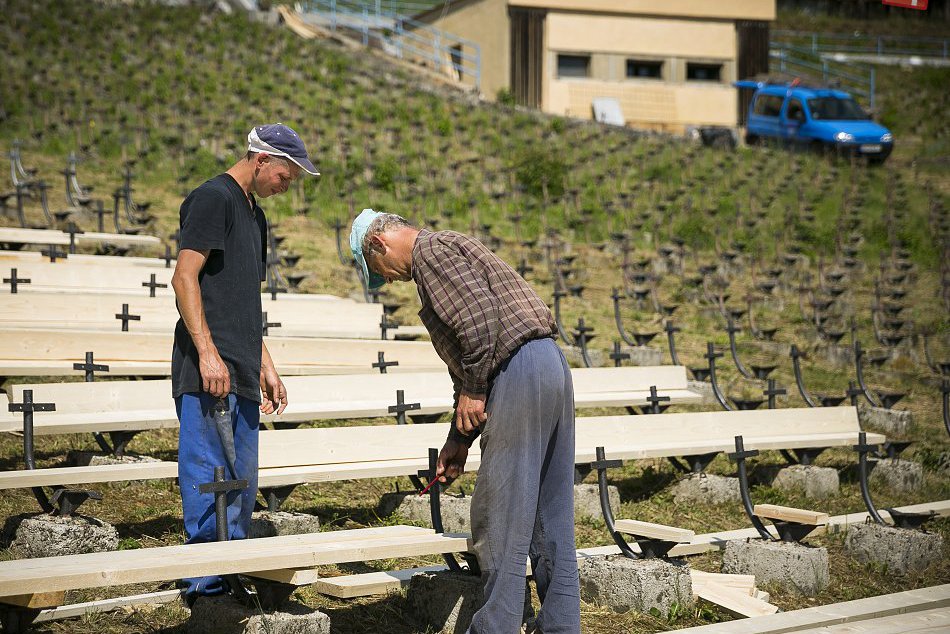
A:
x: 789, y: 514
x: 746, y: 583
x: 95, y: 570
x: 734, y: 601
x: 67, y: 476
x: 654, y: 531
x: 75, y: 610
x: 12, y: 258
x: 936, y: 621
x: 37, y: 600
x: 370, y: 583
x: 901, y: 603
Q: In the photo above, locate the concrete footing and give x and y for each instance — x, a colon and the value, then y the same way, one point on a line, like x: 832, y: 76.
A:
x: 643, y: 355
x: 624, y: 584
x: 96, y: 459
x: 223, y: 615
x: 576, y: 360
x: 802, y: 569
x: 705, y: 390
x: 816, y: 482
x: 587, y: 500
x: 445, y: 602
x: 899, y: 550
x: 893, y: 422
x: 899, y: 476
x: 456, y: 511
x: 706, y: 488
x: 273, y: 524
x: 52, y: 536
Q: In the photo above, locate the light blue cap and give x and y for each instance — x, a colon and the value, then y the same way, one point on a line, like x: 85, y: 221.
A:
x: 357, y: 233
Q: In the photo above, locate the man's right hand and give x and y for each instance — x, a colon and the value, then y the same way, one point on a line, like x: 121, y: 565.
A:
x: 215, y: 377
x: 451, y: 462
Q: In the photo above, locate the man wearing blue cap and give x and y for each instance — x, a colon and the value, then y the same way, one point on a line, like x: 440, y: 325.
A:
x: 512, y: 386
x: 222, y: 375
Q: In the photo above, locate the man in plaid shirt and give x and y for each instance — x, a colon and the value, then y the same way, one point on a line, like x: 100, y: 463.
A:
x: 513, y: 388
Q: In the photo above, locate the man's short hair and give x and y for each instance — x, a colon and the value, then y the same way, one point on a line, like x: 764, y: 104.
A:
x: 381, y: 224
x: 250, y: 157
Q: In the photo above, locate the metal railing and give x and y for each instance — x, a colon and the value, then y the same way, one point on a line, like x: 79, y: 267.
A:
x: 867, y: 44
x: 398, y: 35
x: 857, y: 79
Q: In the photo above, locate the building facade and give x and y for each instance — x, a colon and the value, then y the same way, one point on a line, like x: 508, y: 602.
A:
x: 669, y: 64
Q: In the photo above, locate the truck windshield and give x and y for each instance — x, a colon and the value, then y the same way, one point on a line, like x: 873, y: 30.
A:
x: 834, y: 108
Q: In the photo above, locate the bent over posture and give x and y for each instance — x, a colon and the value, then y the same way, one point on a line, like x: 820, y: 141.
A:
x: 222, y: 373
x: 512, y: 387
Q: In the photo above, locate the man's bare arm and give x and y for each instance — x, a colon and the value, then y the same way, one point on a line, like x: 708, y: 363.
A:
x: 215, y: 377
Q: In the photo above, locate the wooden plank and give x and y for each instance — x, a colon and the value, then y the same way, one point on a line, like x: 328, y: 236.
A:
x: 789, y: 514
x: 67, y: 476
x: 75, y: 610
x: 936, y: 621
x: 734, y: 601
x: 654, y: 531
x: 900, y: 603
x: 13, y: 258
x: 95, y: 570
x: 746, y: 583
x: 370, y: 583
x: 36, y: 600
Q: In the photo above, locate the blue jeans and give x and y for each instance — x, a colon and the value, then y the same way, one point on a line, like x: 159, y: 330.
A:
x: 200, y: 450
x: 523, y: 504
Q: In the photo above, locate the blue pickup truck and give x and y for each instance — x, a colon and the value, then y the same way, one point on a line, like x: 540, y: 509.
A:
x: 820, y: 118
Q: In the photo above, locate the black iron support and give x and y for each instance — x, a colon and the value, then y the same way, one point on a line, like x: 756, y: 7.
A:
x: 27, y: 407
x: 771, y: 392
x: 561, y: 331
x: 739, y: 457
x: 863, y: 449
x: 435, y: 513
x: 126, y: 317
x: 276, y: 496
x: 15, y: 281
x: 859, y: 369
x: 151, y: 284
x: 581, y: 337
x: 796, y: 364
x: 670, y: 331
x: 711, y: 356
x: 618, y: 356
x: 401, y: 407
x: 619, y: 320
x: 732, y: 329
x: 382, y: 363
x: 945, y: 391
x: 602, y: 464
x: 654, y: 402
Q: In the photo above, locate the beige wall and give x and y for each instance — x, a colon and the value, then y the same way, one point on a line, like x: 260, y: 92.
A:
x: 725, y: 9
x: 486, y: 23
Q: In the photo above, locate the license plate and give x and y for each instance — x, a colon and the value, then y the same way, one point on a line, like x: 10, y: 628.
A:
x: 871, y: 148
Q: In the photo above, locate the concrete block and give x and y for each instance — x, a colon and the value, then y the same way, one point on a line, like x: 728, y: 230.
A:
x: 816, y: 482
x: 624, y: 584
x: 445, y: 602
x: 223, y: 615
x: 899, y: 476
x: 51, y: 536
x: 705, y: 389
x: 96, y: 459
x: 587, y: 500
x: 456, y: 510
x: 802, y: 569
x: 899, y: 550
x: 706, y: 488
x: 576, y: 360
x: 892, y: 422
x: 272, y: 524
x: 644, y: 355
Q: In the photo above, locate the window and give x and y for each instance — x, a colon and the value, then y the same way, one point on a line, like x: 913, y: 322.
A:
x: 703, y: 72
x: 644, y: 69
x: 456, y: 54
x: 767, y: 105
x: 836, y: 108
x: 573, y: 66
x: 795, y: 111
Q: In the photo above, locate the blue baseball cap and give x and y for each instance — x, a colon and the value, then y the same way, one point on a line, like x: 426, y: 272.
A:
x: 357, y: 233
x: 280, y: 140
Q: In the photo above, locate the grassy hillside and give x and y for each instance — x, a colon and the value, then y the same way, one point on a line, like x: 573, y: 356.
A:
x: 176, y: 90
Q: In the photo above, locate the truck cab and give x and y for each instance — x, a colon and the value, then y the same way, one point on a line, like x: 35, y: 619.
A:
x: 821, y: 118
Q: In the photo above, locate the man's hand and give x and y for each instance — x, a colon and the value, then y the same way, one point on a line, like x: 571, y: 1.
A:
x: 470, y: 412
x: 215, y: 377
x: 451, y: 462
x: 273, y: 392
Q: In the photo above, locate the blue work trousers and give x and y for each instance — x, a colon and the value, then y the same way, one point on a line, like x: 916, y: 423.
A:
x: 201, y: 448
x: 523, y: 504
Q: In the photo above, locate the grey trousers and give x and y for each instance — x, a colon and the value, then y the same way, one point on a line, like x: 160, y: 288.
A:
x: 523, y: 504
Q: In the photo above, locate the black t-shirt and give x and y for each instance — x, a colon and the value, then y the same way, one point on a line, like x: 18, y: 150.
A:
x: 217, y: 217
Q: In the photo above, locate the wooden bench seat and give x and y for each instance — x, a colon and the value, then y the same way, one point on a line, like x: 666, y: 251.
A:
x: 15, y: 258
x: 774, y: 513
x: 322, y: 316
x: 38, y: 351
x: 94, y: 570
x: 137, y: 405
x: 654, y: 531
x: 298, y: 456
x: 47, y: 237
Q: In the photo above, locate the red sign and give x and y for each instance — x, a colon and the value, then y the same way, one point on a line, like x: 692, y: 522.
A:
x: 908, y: 4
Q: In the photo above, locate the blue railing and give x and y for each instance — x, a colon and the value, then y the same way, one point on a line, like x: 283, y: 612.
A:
x: 857, y: 79
x: 864, y: 44
x: 398, y: 35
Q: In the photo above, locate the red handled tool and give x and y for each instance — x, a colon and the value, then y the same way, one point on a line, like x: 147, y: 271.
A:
x: 429, y: 486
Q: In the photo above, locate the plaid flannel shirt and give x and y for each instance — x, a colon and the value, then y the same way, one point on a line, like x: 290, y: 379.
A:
x: 477, y: 309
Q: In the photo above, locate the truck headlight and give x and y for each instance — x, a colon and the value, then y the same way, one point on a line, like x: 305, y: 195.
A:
x: 844, y: 137
x: 887, y: 138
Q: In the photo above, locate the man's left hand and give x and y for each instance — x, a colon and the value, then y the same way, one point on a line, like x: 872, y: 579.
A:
x: 470, y: 412
x: 273, y: 392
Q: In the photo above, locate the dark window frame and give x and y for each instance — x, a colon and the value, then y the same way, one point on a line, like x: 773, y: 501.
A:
x: 574, y: 56
x: 704, y: 66
x: 646, y: 63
